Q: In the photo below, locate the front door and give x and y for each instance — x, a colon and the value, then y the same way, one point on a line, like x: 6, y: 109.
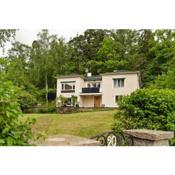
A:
x: 97, y: 101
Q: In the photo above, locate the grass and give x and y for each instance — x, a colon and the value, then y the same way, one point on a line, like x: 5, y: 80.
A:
x: 84, y: 124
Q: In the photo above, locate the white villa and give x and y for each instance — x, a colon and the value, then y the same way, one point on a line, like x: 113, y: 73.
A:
x: 98, y: 91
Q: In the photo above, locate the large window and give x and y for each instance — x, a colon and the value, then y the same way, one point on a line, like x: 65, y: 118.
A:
x: 118, y: 82
x: 68, y: 86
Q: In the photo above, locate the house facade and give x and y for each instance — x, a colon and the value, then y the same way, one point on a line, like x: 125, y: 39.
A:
x: 98, y: 91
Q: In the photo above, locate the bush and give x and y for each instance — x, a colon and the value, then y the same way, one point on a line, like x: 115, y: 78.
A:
x: 61, y: 100
x: 25, y: 99
x: 14, y: 130
x: 147, y: 108
x: 74, y: 100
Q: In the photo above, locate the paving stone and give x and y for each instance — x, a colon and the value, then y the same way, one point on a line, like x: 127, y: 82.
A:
x: 69, y: 140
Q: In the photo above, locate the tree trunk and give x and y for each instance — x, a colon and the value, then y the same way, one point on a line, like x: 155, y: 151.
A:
x: 46, y: 86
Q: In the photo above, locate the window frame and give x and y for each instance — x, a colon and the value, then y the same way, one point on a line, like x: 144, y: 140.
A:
x: 120, y: 84
x: 118, y: 96
x: 70, y: 83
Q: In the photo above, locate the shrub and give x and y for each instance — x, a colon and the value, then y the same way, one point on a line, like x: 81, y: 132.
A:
x: 25, y: 99
x: 50, y: 109
x: 14, y: 130
x: 74, y: 100
x: 61, y: 100
x: 147, y: 108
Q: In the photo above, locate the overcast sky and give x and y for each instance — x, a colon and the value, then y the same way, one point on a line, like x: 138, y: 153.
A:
x: 27, y: 36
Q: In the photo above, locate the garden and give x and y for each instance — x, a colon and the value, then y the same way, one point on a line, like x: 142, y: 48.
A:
x: 28, y: 84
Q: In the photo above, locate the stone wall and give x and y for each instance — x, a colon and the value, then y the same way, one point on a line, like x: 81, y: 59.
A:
x: 144, y: 137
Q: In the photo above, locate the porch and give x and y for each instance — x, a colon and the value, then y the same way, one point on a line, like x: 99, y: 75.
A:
x: 91, y: 100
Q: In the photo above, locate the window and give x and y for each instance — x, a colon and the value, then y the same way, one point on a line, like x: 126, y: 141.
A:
x: 95, y: 84
x: 68, y: 86
x: 62, y: 87
x: 118, y: 82
x: 98, y: 85
x: 117, y: 97
x: 69, y: 101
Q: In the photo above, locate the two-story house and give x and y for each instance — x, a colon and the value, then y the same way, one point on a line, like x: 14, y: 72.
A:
x: 98, y: 91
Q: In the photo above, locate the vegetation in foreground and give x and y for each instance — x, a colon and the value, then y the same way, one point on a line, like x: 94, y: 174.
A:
x: 14, y: 131
x: 147, y: 108
x: 33, y: 69
x: 84, y: 124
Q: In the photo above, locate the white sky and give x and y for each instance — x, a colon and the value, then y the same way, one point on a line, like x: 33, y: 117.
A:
x: 27, y: 36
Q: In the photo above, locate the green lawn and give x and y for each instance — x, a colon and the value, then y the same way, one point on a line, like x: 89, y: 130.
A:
x: 85, y: 124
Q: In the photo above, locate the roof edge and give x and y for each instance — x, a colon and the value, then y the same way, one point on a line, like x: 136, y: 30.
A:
x: 69, y: 76
x: 120, y: 73
x: 103, y: 74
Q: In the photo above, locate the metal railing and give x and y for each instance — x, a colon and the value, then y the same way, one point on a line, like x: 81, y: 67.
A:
x: 91, y: 90
x: 111, y: 138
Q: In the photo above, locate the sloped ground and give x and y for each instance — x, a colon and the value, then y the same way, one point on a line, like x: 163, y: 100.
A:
x: 84, y: 124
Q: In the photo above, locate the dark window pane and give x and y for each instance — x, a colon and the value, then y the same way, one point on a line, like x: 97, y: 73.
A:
x: 68, y: 87
x: 62, y: 86
x: 118, y: 82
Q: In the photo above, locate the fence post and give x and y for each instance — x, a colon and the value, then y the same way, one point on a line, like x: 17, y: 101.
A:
x: 145, y: 137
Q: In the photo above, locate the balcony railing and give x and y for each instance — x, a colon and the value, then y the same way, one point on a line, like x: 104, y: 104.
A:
x: 91, y: 90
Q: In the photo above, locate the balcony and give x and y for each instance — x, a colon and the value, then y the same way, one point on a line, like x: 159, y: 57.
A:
x: 91, y: 90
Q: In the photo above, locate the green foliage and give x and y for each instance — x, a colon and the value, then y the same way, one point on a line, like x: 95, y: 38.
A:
x: 14, y: 130
x: 34, y: 68
x: 74, y: 100
x: 6, y: 35
x: 147, y: 108
x: 61, y: 100
x: 25, y: 99
x: 85, y: 48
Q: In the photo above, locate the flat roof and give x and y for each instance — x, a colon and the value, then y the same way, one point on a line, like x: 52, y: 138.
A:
x: 69, y: 76
x: 121, y: 72
x: 93, y: 78
x: 97, y: 77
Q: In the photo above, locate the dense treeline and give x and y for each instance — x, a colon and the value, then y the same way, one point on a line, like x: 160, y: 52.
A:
x: 33, y: 68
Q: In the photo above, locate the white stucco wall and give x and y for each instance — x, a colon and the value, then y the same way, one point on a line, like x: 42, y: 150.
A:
x: 109, y: 92
x: 107, y: 89
x: 79, y: 83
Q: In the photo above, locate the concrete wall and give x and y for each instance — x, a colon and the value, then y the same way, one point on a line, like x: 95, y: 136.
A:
x: 109, y: 92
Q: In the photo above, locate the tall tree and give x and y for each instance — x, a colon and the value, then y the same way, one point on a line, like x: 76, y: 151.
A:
x: 41, y: 60
x: 18, y: 70
x: 161, y: 53
x: 85, y: 48
x: 6, y: 35
x: 119, y: 49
